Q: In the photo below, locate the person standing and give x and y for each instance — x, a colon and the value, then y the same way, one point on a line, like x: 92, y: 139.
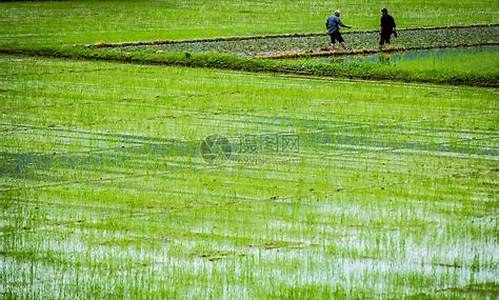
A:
x: 387, y: 28
x: 333, y: 24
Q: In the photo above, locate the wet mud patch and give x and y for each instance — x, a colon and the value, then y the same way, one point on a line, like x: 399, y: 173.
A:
x: 314, y: 44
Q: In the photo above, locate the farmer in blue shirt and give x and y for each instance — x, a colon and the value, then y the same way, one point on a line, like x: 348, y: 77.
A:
x: 333, y: 24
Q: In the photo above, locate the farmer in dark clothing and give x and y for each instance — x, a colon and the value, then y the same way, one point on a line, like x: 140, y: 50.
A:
x: 387, y: 28
x: 333, y: 24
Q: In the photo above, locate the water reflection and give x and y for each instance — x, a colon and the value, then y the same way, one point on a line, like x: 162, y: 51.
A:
x: 387, y: 58
x: 384, y: 59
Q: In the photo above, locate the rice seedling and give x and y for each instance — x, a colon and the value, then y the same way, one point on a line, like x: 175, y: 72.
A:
x: 168, y: 160
x: 391, y: 192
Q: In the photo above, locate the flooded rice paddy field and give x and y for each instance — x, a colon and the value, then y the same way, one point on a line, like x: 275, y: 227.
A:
x: 435, y: 55
x: 160, y: 182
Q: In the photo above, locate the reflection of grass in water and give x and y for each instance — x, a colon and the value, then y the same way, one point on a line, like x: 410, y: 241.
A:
x: 432, y: 54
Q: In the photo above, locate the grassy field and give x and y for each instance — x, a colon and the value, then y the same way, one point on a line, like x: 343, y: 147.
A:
x: 55, y: 23
x: 391, y: 192
x: 468, y: 66
x: 201, y: 171
x: 461, y: 66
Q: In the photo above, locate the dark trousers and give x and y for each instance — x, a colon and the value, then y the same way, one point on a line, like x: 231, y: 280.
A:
x: 385, y: 37
x: 336, y: 36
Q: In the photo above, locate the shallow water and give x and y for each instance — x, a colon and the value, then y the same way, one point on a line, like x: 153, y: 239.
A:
x: 413, y: 55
